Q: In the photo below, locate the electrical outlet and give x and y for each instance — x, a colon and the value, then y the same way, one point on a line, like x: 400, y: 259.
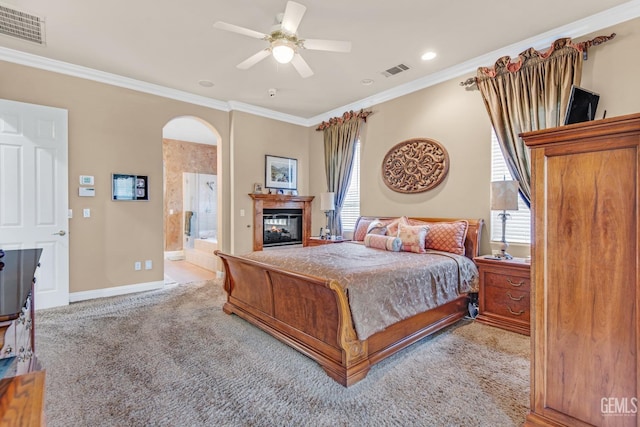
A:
x: 137, y: 266
x: 148, y: 264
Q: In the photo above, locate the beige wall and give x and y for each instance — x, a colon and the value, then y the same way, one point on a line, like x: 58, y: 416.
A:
x: 111, y: 130
x: 448, y: 114
x: 118, y: 130
x: 458, y: 120
x: 612, y: 70
x: 252, y: 138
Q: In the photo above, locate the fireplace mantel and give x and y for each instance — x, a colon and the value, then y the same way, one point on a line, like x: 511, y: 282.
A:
x: 279, y: 201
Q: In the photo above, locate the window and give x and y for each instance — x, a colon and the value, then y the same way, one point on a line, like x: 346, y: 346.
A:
x: 351, y: 206
x: 518, y: 228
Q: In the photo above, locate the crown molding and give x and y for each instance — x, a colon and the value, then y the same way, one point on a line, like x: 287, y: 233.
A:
x: 28, y: 59
x: 270, y: 114
x: 607, y: 18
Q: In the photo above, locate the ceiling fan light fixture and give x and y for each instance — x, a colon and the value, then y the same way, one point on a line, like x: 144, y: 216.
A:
x: 282, y: 51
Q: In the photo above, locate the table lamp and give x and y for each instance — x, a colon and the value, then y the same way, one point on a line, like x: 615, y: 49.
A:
x: 327, y: 205
x: 504, y: 197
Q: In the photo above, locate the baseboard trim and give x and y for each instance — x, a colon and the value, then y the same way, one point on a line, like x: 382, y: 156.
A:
x: 115, y: 291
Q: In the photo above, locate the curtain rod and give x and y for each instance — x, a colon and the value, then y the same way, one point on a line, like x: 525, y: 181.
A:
x: 505, y: 63
x: 348, y: 115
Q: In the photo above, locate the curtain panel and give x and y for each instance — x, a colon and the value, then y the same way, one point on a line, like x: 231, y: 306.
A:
x: 340, y: 137
x: 529, y: 94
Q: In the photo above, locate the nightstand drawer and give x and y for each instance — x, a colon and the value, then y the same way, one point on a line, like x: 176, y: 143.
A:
x: 508, y: 281
x: 508, y: 302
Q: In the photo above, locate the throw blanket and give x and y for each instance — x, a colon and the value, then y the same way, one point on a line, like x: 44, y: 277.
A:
x: 383, y: 287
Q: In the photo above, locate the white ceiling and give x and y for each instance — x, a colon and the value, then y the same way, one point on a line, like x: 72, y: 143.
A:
x: 171, y: 45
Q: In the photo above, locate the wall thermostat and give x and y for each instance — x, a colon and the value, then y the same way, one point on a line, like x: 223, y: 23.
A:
x: 86, y: 180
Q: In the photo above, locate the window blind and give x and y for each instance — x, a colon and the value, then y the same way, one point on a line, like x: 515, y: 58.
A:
x: 351, y: 206
x: 518, y: 229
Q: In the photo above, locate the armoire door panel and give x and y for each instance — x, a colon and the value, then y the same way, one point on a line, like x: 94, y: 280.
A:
x: 585, y: 272
x: 591, y: 212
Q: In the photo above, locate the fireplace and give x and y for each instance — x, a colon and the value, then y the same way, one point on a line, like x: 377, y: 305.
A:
x: 297, y: 210
x: 281, y: 227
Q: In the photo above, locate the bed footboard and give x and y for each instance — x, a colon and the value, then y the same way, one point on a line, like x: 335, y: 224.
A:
x: 312, y: 315
x: 308, y: 313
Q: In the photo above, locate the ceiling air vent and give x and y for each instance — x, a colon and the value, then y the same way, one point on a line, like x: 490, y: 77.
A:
x: 21, y: 25
x: 395, y: 70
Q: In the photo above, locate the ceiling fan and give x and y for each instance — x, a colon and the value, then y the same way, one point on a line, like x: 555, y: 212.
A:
x: 284, y: 43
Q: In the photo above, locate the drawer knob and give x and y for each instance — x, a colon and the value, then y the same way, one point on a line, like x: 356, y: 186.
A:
x: 517, y: 285
x: 514, y: 313
x: 514, y: 298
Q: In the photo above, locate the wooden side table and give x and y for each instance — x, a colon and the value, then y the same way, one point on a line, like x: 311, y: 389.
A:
x: 504, y: 297
x: 22, y: 400
x: 317, y: 241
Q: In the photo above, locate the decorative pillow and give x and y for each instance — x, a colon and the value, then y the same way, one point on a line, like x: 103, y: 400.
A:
x: 392, y: 227
x: 446, y: 236
x: 388, y: 243
x: 377, y: 227
x: 413, y: 237
x: 361, y: 229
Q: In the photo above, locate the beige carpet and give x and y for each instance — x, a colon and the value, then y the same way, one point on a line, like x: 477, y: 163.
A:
x: 172, y: 357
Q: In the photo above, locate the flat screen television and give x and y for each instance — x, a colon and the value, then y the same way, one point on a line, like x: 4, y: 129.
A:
x: 582, y: 106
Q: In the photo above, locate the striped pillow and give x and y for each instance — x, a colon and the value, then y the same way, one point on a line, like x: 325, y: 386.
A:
x: 388, y: 243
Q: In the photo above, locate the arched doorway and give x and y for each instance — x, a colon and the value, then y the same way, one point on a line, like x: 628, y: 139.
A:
x: 191, y: 197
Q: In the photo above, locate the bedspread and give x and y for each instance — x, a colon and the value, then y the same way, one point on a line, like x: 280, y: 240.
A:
x: 382, y: 287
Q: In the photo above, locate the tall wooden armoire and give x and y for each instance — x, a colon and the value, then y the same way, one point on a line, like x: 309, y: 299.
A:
x: 585, y: 327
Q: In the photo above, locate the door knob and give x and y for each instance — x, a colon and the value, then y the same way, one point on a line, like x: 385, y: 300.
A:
x: 59, y: 233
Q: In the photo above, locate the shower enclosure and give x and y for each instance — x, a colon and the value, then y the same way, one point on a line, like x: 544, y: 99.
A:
x: 200, y: 197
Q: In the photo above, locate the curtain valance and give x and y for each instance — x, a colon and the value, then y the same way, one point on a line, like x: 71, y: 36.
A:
x: 348, y: 115
x: 532, y: 57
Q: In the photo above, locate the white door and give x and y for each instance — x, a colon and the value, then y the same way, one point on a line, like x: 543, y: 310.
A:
x: 34, y: 193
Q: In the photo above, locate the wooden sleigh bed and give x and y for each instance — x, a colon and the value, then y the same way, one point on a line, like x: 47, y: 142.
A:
x: 312, y: 314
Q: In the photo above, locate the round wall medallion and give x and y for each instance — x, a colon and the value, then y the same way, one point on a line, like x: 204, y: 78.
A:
x: 415, y: 165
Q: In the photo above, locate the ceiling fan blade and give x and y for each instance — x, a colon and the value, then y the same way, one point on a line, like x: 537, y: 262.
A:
x: 254, y: 59
x: 301, y: 66
x: 293, y: 14
x: 240, y: 30
x: 329, y: 45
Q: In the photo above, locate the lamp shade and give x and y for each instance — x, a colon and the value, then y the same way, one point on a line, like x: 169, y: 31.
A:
x: 282, y: 51
x: 327, y: 201
x: 504, y: 195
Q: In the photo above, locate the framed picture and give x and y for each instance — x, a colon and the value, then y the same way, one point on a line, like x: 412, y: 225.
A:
x: 257, y: 188
x: 281, y: 172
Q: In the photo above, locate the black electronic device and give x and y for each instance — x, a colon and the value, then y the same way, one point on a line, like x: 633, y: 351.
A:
x: 582, y: 105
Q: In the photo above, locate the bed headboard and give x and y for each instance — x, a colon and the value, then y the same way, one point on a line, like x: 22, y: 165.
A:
x: 471, y: 243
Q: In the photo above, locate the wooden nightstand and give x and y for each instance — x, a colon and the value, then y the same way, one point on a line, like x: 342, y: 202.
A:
x: 317, y: 241
x: 504, y: 299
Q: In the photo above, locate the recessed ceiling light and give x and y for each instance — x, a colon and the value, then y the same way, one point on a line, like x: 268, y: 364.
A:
x: 366, y: 82
x: 428, y: 56
x: 205, y: 83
